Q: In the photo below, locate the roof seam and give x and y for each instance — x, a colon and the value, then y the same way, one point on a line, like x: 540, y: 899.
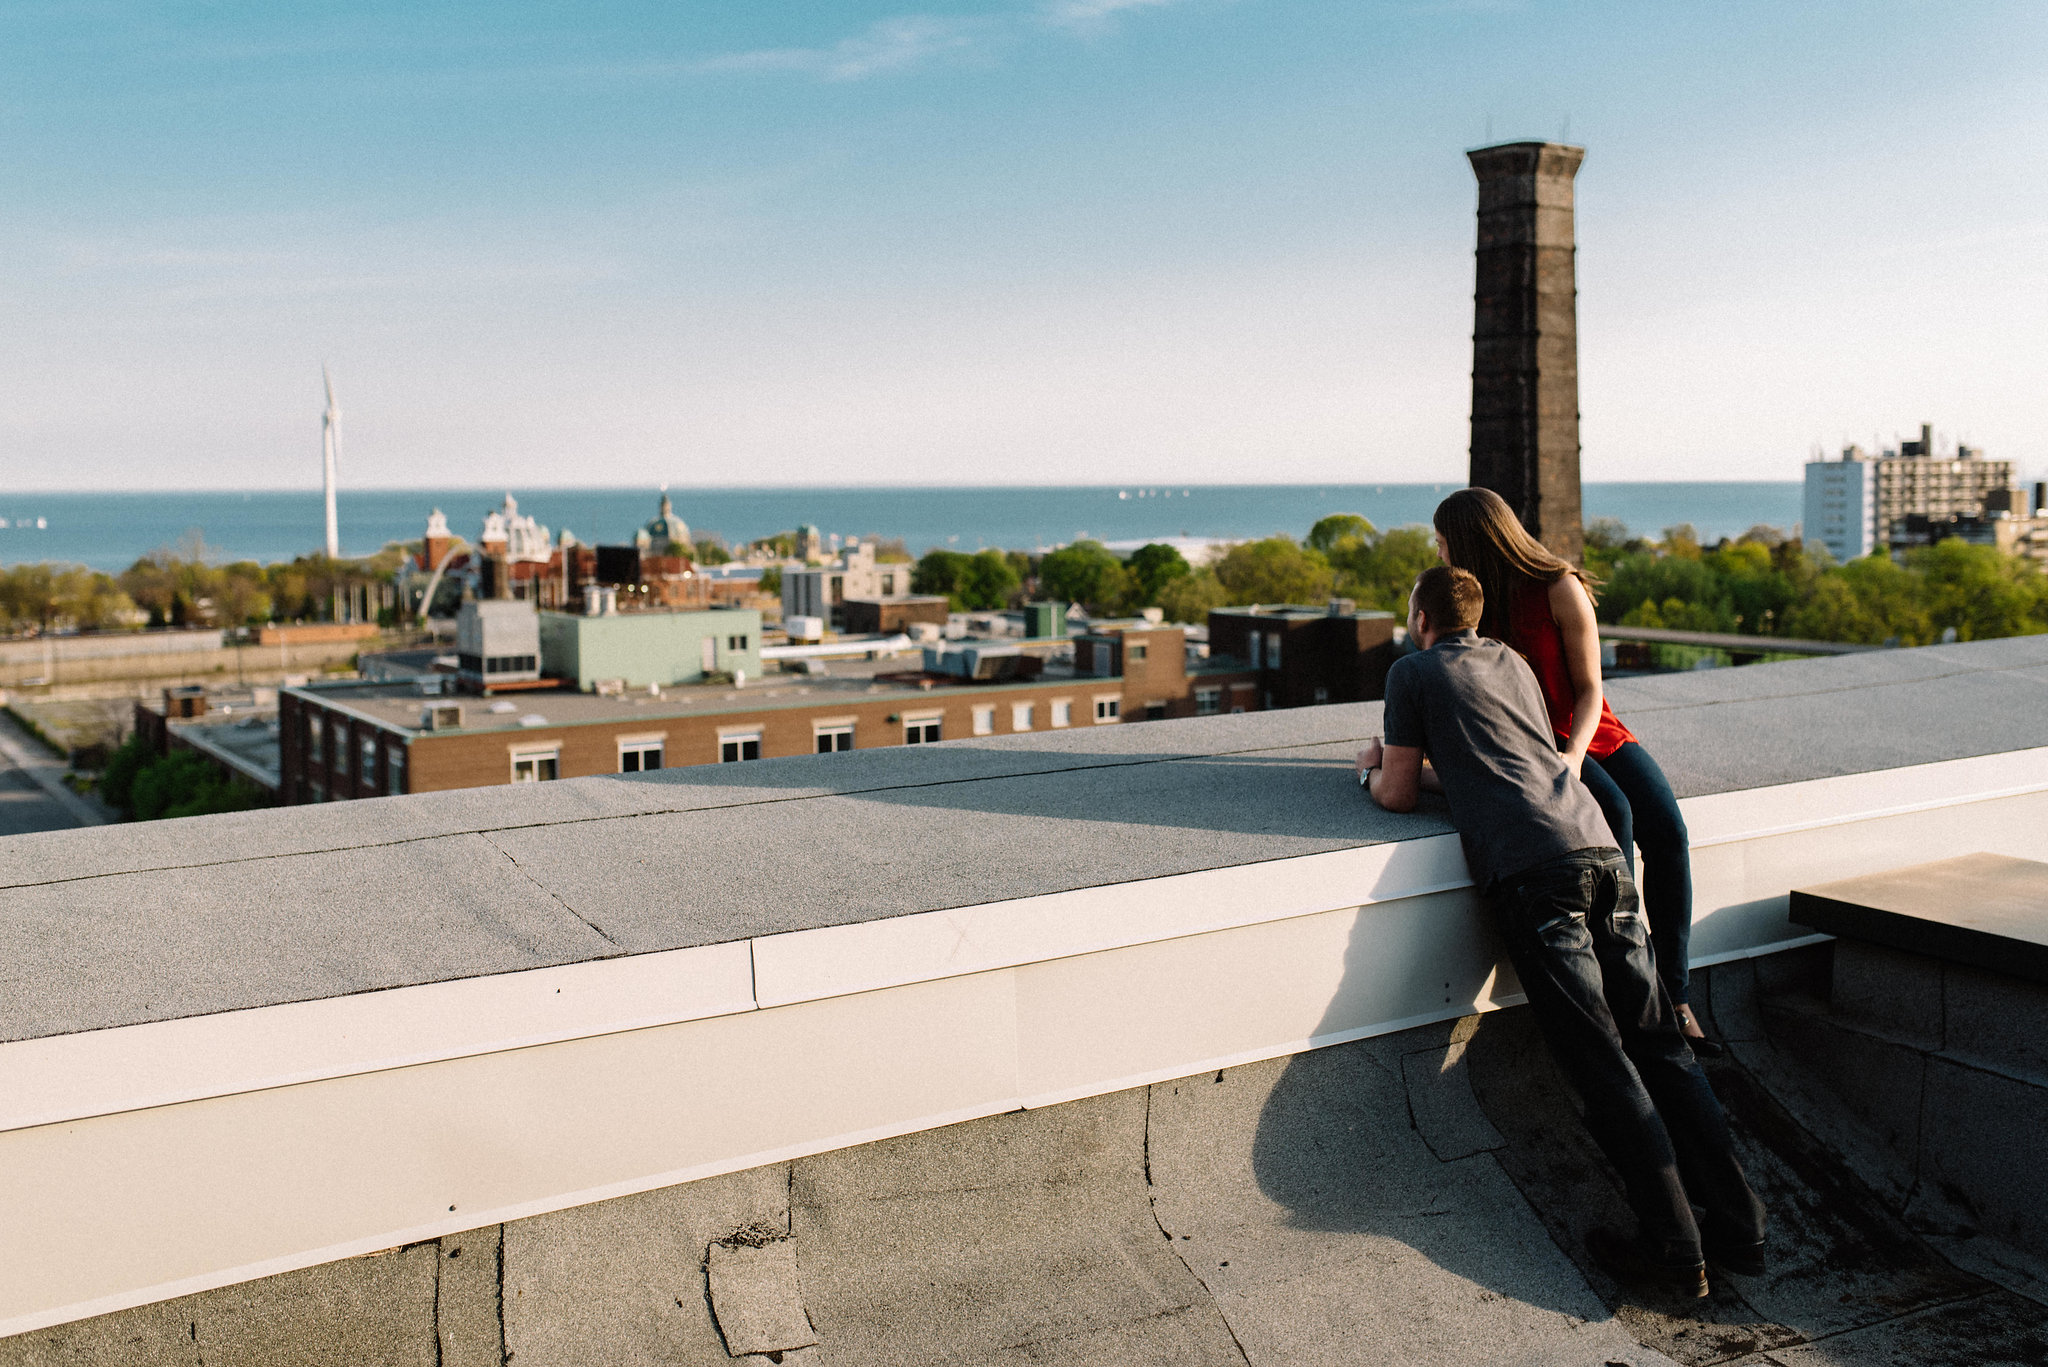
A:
x: 551, y: 894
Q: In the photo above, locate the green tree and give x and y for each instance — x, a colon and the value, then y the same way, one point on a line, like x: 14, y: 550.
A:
x: 1868, y: 601
x: 1087, y: 572
x: 939, y: 572
x: 1337, y: 529
x: 1153, y: 567
x: 1978, y: 591
x: 1191, y: 597
x: 1379, y: 573
x: 118, y: 778
x: 145, y: 786
x: 711, y: 550
x: 985, y: 582
x: 1681, y: 541
x: 1274, y: 570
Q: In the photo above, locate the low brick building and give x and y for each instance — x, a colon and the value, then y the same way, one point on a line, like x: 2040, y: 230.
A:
x: 1302, y: 656
x: 342, y: 741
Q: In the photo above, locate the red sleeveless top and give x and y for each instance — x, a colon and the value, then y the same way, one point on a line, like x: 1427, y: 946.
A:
x: 1535, y: 635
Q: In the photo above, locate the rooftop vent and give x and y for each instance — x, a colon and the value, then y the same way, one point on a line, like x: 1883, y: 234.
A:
x: 982, y: 663
x: 445, y: 716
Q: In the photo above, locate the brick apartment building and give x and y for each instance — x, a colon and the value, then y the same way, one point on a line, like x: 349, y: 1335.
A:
x: 1302, y: 656
x: 343, y: 741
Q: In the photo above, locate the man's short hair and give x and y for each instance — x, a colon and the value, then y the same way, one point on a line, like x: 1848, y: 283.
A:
x: 1451, y: 598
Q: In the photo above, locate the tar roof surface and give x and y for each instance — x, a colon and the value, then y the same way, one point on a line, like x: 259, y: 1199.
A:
x: 121, y: 924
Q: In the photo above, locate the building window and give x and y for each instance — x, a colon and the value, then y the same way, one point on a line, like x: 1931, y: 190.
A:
x: 1257, y: 643
x: 639, y: 756
x: 1322, y: 695
x: 340, y: 749
x: 735, y: 643
x: 985, y: 721
x: 733, y: 749
x: 1135, y: 650
x: 1155, y: 711
x: 316, y: 732
x: 832, y: 739
x: 394, y: 770
x: 1273, y: 651
x: 1108, y: 709
x: 921, y: 731
x: 888, y: 586
x: 1020, y: 716
x: 368, y: 773
x: 535, y: 766
x: 1208, y: 701
x: 510, y: 664
x: 1062, y: 711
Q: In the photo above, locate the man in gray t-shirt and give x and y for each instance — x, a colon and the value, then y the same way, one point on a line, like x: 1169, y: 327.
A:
x: 1473, y: 706
x: 1545, y: 863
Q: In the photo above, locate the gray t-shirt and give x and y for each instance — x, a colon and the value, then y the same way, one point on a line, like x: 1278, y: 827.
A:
x: 1473, y: 707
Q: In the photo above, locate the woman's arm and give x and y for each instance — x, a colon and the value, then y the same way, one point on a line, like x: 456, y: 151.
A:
x: 1573, y: 609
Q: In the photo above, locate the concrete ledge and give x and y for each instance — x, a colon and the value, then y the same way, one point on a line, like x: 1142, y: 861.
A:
x: 1989, y: 911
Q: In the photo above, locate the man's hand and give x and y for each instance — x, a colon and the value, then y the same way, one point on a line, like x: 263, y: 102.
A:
x: 1370, y: 757
x: 1400, y: 775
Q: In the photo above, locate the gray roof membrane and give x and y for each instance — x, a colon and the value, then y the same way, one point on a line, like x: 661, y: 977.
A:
x: 118, y: 925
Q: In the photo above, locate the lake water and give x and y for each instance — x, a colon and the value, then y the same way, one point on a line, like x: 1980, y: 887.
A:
x: 109, y: 531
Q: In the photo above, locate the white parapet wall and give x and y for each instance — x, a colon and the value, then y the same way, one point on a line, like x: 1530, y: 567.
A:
x: 147, y: 1161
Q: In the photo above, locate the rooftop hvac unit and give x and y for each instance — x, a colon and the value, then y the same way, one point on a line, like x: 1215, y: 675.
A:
x: 982, y: 663
x: 445, y: 716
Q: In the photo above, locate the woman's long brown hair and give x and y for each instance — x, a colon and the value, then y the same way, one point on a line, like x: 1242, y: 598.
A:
x: 1486, y: 538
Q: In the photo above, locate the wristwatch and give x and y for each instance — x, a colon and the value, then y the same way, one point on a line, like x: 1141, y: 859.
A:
x: 1365, y: 778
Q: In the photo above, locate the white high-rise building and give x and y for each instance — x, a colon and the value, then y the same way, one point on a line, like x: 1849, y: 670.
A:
x: 1841, y: 505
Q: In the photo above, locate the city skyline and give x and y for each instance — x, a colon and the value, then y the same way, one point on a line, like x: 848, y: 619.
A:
x: 1199, y: 242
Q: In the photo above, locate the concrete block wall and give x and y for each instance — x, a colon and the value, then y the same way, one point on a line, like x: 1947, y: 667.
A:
x: 1945, y: 1066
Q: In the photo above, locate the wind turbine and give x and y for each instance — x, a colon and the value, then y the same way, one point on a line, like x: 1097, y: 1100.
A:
x: 330, y: 447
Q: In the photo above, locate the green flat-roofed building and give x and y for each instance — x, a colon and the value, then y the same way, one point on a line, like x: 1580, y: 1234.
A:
x: 642, y: 648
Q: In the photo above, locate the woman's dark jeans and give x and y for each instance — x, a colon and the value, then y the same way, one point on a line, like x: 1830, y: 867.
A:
x: 1642, y: 810
x: 1578, y: 943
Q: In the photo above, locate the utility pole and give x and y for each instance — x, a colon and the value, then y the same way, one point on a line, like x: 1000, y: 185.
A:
x: 330, y: 448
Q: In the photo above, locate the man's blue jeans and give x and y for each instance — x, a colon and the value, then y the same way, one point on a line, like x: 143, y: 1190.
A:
x: 1576, y: 935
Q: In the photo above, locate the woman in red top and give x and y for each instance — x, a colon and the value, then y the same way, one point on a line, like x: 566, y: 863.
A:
x: 1543, y: 607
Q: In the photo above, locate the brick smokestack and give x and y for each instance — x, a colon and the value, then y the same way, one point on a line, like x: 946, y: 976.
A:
x: 1525, y: 339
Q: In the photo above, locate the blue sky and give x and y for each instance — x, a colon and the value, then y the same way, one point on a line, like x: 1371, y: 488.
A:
x: 1071, y: 241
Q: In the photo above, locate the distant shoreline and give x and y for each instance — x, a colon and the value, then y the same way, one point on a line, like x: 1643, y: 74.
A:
x: 111, y: 530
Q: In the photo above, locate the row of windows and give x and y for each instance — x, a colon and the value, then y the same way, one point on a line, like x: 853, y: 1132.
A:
x: 314, y: 731
x: 540, y: 764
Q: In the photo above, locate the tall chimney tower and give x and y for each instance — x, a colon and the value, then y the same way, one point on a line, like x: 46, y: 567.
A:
x: 1525, y: 339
